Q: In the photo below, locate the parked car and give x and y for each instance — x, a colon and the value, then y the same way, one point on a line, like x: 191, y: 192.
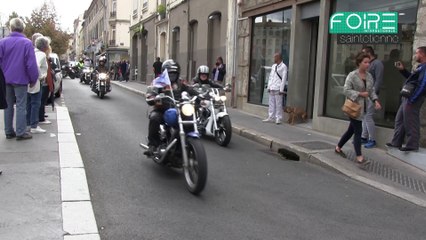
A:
x: 58, y: 74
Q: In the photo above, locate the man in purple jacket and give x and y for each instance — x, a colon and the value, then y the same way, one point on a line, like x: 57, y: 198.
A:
x: 18, y: 61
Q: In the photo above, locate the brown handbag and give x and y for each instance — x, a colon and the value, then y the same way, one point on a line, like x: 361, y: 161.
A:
x: 351, y: 108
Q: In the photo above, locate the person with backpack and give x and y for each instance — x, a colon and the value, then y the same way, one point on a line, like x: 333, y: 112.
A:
x: 276, y: 84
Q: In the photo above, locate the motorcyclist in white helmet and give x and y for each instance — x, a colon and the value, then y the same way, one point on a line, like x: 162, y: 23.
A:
x: 101, y: 68
x: 202, y: 77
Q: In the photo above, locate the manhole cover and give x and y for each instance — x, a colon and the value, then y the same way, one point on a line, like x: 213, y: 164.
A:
x: 314, y: 145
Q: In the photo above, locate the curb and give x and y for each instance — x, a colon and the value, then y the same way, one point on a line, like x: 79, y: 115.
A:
x: 311, y: 156
x: 78, y: 217
x: 128, y: 88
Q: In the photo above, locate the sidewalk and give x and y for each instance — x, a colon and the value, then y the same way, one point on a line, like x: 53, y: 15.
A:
x: 400, y: 174
x: 43, y: 187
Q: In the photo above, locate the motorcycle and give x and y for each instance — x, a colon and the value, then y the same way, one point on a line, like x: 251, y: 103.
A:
x: 86, y: 75
x: 102, y: 85
x: 68, y: 71
x: 212, y: 117
x: 180, y: 145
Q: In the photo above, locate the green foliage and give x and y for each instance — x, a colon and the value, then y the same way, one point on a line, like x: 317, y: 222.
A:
x: 161, y: 9
x: 45, y: 21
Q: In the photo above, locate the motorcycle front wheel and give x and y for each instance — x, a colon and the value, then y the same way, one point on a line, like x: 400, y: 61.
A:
x: 196, y: 171
x: 224, y: 132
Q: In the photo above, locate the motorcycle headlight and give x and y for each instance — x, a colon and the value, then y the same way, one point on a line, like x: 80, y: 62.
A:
x: 102, y: 76
x: 187, y: 109
x: 217, y: 98
x: 223, y: 98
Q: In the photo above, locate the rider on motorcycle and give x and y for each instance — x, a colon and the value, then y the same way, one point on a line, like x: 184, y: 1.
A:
x: 203, y: 77
x: 101, y: 68
x: 159, y: 107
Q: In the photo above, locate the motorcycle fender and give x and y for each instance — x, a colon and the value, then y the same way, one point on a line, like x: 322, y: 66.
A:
x: 193, y: 135
x: 221, y: 115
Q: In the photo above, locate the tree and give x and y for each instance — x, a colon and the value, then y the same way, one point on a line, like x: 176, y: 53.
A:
x: 44, y: 20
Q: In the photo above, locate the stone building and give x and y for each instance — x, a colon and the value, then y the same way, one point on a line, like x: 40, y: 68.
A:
x: 193, y: 32
x: 317, y: 63
x: 105, y: 29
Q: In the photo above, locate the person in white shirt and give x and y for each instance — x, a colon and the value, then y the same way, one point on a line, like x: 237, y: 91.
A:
x: 276, y: 83
x: 34, y: 92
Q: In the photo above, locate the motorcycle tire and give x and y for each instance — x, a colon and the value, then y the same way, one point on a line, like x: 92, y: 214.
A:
x: 72, y: 76
x: 224, y: 134
x: 102, y: 95
x: 196, y: 171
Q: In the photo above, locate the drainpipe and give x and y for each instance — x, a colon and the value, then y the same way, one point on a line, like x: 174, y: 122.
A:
x: 189, y: 62
x: 234, y: 83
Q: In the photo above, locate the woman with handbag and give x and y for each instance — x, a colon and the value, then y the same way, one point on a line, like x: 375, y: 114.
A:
x: 358, y: 87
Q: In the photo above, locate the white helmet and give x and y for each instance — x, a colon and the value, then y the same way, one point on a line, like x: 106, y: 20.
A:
x: 203, y: 69
x: 102, y: 59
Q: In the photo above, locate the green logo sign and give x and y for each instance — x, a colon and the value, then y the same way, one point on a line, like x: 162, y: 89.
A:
x: 364, y: 23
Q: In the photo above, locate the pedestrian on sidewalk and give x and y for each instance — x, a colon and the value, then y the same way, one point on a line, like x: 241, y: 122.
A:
x: 116, y: 74
x: 127, y: 75
x: 276, y: 84
x: 3, y: 103
x: 156, y: 67
x: 18, y: 61
x: 407, y: 120
x: 368, y: 136
x: 47, y: 88
x: 35, y: 92
x: 219, y: 71
x: 123, y: 67
x: 359, y: 86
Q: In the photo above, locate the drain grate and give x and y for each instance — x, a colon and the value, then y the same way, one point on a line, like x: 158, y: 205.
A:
x: 314, y: 145
x: 391, y: 174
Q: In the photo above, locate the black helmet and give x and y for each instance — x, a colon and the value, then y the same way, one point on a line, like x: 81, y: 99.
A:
x: 173, y: 69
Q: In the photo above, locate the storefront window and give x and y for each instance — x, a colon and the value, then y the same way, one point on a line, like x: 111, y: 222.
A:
x: 342, y: 57
x: 271, y: 34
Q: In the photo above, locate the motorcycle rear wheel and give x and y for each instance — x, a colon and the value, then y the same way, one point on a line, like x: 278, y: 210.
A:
x: 224, y: 133
x: 196, y: 171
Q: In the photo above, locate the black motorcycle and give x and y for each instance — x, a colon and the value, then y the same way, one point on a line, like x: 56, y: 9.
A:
x: 69, y: 71
x: 181, y: 146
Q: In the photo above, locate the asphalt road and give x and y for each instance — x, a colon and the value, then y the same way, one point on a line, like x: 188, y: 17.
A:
x: 250, y: 193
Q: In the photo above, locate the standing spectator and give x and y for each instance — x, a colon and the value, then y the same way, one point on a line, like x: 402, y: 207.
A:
x: 47, y: 88
x: 123, y: 68
x: 276, y: 83
x: 35, y: 92
x: 3, y: 103
x: 219, y: 70
x: 407, y: 120
x: 127, y: 75
x: 116, y: 74
x: 111, y: 71
x: 156, y: 67
x: 18, y: 61
x: 368, y: 125
x: 359, y: 86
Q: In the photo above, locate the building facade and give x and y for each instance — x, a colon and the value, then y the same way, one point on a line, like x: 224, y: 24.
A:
x: 191, y: 32
x: 118, y: 43
x: 317, y: 63
x: 105, y: 30
x: 77, y: 46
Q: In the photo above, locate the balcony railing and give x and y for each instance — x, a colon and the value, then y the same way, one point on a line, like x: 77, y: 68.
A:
x: 113, y: 14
